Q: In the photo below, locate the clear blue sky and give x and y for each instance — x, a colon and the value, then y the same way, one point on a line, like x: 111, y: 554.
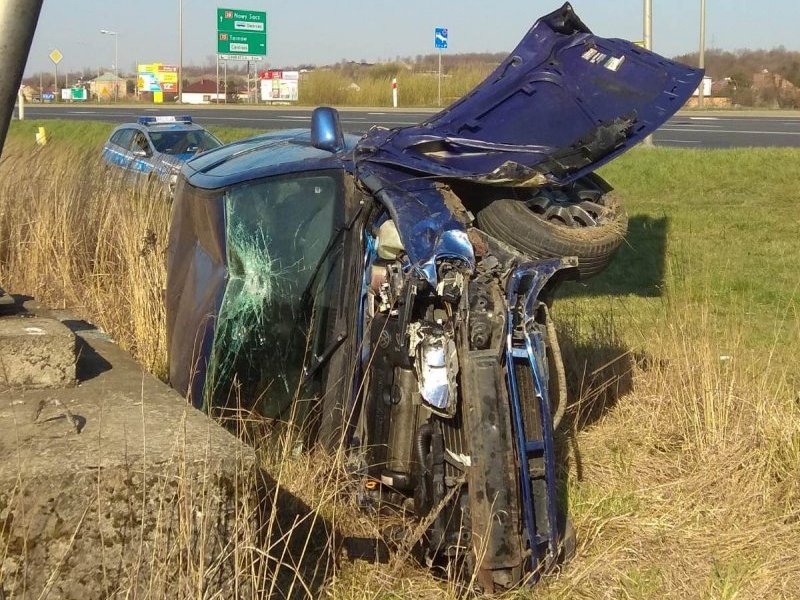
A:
x: 325, y: 31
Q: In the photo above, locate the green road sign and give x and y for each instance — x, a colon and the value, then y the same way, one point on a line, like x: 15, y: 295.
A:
x: 241, y: 34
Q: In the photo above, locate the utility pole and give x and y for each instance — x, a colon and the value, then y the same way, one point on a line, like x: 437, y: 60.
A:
x: 180, y: 48
x: 702, y: 60
x: 18, y: 22
x: 116, y: 61
x: 648, y: 44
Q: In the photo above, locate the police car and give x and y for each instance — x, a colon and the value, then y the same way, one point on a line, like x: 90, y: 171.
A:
x: 157, y: 145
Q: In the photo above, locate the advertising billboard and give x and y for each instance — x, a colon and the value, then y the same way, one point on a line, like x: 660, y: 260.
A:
x: 157, y: 78
x: 280, y: 86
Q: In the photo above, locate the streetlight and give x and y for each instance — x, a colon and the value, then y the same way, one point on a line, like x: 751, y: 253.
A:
x: 702, y: 55
x: 116, y: 60
x: 648, y: 44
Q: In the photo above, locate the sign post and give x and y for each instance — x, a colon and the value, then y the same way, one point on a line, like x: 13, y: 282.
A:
x: 56, y: 57
x: 440, y: 43
x: 241, y: 34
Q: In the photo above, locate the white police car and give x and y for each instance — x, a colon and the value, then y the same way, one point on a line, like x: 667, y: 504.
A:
x: 157, y: 145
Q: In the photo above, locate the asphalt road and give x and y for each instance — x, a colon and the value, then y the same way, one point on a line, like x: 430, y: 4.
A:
x: 683, y: 130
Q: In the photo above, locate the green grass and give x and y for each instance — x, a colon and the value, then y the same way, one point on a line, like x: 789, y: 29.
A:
x: 716, y: 228
x: 92, y: 134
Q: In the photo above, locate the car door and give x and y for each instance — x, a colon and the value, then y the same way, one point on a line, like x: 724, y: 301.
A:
x: 116, y: 151
x: 140, y: 153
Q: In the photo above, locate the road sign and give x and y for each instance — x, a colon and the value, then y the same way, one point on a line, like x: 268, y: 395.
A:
x: 440, y: 38
x: 241, y: 34
x: 56, y: 56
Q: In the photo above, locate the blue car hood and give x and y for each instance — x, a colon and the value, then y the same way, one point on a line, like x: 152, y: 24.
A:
x: 561, y: 104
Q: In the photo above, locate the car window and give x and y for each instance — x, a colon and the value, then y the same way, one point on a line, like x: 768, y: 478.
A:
x: 181, y: 142
x: 122, y: 138
x: 278, y: 304
x: 140, y: 143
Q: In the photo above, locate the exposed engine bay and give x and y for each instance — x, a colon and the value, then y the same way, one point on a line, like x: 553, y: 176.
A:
x: 434, y: 403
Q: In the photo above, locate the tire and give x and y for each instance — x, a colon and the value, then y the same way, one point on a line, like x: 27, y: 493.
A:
x: 586, y: 221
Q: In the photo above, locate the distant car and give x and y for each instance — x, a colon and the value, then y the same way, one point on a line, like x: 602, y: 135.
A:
x: 157, y: 145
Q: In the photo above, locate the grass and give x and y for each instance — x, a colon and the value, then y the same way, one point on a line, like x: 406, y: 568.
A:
x: 373, y: 87
x: 683, y: 449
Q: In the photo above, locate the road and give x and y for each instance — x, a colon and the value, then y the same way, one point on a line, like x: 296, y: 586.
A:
x: 684, y: 130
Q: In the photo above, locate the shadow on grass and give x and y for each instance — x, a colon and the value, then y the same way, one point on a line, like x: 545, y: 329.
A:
x: 636, y: 269
x: 599, y: 370
x: 299, y: 544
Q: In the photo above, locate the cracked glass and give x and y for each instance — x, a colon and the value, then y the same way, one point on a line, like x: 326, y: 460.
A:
x: 276, y: 311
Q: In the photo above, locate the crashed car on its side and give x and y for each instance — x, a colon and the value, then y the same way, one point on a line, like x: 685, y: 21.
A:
x: 394, y: 290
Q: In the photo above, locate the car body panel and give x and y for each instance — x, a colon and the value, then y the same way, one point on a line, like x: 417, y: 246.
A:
x: 562, y: 104
x: 274, y: 153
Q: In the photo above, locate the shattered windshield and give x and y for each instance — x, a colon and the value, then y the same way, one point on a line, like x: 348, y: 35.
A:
x: 181, y: 142
x: 277, y: 233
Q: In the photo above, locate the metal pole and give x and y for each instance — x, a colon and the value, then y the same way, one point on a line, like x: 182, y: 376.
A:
x: 180, y: 48
x: 648, y: 44
x: 116, y: 68
x: 17, y: 22
x: 702, y: 61
x: 216, y: 98
x: 225, y: 65
x: 21, y: 104
x: 56, y: 95
x: 440, y: 79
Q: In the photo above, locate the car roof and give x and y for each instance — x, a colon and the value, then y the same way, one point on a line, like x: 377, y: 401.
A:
x: 161, y: 127
x: 275, y: 153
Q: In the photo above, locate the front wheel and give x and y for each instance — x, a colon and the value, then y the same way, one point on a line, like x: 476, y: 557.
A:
x: 585, y: 220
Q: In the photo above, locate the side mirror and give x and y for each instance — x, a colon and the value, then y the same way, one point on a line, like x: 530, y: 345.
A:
x: 326, y: 130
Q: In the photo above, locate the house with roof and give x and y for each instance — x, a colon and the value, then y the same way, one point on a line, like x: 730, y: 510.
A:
x: 203, y: 92
x: 103, y: 86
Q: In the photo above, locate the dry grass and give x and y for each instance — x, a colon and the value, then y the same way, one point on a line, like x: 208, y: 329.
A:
x: 684, y: 451
x: 373, y: 87
x: 76, y: 234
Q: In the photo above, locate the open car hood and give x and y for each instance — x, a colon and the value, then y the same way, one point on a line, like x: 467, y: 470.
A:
x: 560, y: 105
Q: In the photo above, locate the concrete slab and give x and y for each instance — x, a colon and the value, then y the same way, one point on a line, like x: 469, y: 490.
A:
x: 36, y: 352
x: 117, y: 487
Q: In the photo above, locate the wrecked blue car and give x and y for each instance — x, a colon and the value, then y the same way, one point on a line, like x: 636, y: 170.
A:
x: 391, y: 292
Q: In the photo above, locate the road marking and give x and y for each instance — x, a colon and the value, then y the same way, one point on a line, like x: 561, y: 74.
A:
x: 82, y: 112
x: 704, y: 118
x: 661, y: 141
x: 369, y: 113
x: 747, y: 132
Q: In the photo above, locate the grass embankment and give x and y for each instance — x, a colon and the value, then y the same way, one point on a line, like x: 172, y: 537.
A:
x: 373, y: 86
x: 684, y: 450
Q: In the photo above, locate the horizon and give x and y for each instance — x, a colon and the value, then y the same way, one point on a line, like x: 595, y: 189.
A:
x: 382, y: 32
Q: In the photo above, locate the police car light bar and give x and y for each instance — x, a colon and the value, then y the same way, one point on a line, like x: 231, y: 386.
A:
x: 163, y: 119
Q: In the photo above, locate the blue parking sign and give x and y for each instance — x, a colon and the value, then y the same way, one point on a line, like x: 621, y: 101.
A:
x: 440, y: 37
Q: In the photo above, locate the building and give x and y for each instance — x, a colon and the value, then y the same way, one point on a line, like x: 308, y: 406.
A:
x: 103, y: 86
x: 203, y: 92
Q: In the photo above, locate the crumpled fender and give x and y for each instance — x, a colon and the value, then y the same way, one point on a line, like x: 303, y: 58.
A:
x: 429, y: 229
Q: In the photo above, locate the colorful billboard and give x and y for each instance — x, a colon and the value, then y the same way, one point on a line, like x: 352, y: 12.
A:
x: 279, y: 86
x: 157, y: 77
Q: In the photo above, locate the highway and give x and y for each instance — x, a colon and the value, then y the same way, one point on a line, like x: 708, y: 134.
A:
x: 685, y: 130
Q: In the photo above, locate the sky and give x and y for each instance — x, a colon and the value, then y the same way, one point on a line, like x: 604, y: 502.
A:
x: 325, y: 31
